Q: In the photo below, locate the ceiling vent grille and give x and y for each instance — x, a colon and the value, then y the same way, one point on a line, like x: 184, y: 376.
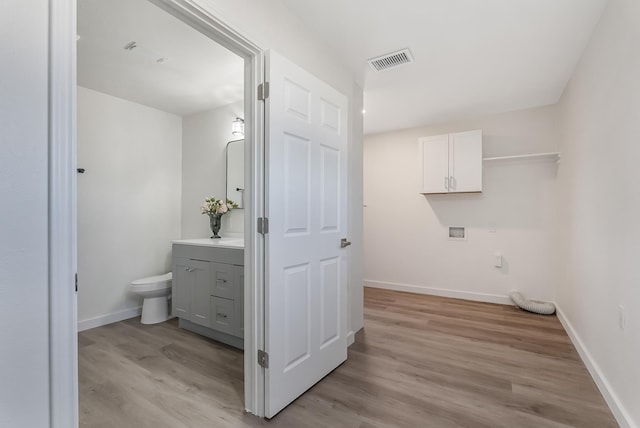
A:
x: 391, y: 60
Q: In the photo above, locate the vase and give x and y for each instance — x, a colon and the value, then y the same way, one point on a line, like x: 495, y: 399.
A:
x: 215, y: 221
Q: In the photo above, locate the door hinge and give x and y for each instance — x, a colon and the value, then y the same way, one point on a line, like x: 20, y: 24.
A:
x: 76, y: 282
x: 263, y: 91
x: 263, y: 225
x: 263, y: 359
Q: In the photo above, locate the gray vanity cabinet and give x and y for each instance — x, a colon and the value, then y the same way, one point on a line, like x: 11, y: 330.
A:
x: 190, y: 290
x: 180, y: 292
x: 224, y: 281
x: 226, y: 290
x: 224, y: 318
x: 208, y: 290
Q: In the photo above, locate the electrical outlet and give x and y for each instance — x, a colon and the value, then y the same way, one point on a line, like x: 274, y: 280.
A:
x: 621, y: 318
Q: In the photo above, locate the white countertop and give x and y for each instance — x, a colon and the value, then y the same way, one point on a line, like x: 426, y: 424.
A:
x: 224, y: 242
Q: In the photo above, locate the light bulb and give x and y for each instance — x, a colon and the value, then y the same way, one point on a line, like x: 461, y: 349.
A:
x: 237, y: 127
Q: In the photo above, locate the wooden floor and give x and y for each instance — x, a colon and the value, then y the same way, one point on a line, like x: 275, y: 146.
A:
x: 421, y: 361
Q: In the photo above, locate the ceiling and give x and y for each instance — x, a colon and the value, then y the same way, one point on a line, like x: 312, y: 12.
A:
x: 196, y: 75
x: 471, y: 56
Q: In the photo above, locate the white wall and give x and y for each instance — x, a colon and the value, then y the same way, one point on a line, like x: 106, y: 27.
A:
x: 204, y: 140
x: 599, y: 206
x: 406, y: 240
x: 128, y: 201
x: 24, y: 315
x: 271, y: 25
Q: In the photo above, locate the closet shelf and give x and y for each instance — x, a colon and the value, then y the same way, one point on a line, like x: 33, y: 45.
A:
x: 552, y: 157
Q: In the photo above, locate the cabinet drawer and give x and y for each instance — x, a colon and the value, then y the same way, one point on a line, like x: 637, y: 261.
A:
x: 223, y: 280
x: 223, y: 315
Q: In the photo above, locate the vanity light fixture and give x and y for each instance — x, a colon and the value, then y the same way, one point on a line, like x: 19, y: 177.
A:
x: 237, y: 127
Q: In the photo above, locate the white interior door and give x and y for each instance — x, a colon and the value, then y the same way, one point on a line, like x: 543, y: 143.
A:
x: 306, y: 278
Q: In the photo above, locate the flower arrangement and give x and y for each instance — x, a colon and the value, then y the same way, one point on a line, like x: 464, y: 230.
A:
x: 214, y: 206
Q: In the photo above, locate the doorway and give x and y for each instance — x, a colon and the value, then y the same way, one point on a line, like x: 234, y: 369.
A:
x: 64, y: 309
x: 156, y: 102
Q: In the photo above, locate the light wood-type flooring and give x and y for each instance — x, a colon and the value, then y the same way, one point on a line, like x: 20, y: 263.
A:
x: 421, y: 361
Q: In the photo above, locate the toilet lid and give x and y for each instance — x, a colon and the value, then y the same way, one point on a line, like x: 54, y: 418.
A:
x: 153, y: 279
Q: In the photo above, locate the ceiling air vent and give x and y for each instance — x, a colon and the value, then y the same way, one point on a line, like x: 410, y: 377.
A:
x: 391, y: 60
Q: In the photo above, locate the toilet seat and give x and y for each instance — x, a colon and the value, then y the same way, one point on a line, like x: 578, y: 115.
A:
x: 152, y: 283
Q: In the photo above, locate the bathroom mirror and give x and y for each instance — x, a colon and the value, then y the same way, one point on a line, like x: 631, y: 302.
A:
x: 235, y: 172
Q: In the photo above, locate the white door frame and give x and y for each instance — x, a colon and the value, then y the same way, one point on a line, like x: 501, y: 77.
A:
x: 63, y: 354
x: 62, y: 248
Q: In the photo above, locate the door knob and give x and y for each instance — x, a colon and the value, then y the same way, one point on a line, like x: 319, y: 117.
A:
x: 344, y: 243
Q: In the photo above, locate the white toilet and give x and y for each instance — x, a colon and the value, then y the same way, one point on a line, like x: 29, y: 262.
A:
x: 155, y: 290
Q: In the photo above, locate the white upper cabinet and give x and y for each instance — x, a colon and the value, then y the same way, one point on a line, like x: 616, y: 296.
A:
x: 435, y: 164
x: 452, y: 163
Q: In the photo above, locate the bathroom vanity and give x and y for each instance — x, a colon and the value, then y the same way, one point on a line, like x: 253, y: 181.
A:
x: 208, y: 288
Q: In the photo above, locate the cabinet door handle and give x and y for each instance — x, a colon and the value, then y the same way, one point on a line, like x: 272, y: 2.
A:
x: 222, y: 315
x: 452, y: 182
x: 221, y: 280
x: 446, y: 183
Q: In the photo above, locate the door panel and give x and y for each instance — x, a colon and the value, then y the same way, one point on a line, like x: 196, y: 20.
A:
x: 200, y: 305
x: 297, y: 313
x: 305, y: 286
x: 297, y: 100
x: 329, y: 281
x: 180, y: 295
x: 435, y: 164
x: 465, y: 162
x: 297, y: 200
x: 330, y: 188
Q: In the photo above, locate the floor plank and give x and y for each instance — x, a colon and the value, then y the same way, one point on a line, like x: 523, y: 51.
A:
x: 421, y: 361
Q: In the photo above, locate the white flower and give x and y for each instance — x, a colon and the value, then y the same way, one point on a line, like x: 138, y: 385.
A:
x: 217, y: 206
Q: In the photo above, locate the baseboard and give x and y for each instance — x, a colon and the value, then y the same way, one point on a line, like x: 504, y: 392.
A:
x: 109, y: 318
x: 618, y: 410
x: 235, y: 341
x: 456, y: 294
x: 351, y: 338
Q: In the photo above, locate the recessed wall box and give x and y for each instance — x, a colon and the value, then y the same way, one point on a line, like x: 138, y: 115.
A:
x: 457, y: 233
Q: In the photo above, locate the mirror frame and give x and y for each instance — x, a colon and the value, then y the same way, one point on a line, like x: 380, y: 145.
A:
x: 226, y: 187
